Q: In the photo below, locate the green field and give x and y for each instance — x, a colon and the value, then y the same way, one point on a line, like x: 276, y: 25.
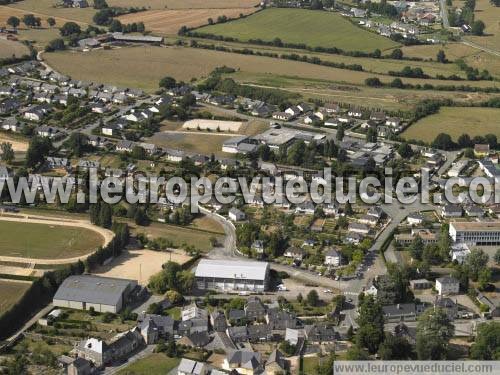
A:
x: 195, y: 235
x: 44, y: 241
x: 153, y: 364
x: 10, y: 293
x: 456, y: 121
x: 313, y: 28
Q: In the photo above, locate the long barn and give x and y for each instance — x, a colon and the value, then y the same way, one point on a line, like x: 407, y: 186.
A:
x: 232, y: 275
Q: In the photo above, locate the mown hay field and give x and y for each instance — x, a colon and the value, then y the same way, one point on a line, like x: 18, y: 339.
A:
x: 9, y: 48
x: 146, y: 65
x: 47, y: 8
x: 184, y: 4
x: 10, y: 293
x: 490, y: 15
x: 456, y: 121
x: 170, y: 21
x: 313, y: 28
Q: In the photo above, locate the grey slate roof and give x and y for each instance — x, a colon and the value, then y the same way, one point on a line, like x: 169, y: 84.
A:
x: 92, y: 289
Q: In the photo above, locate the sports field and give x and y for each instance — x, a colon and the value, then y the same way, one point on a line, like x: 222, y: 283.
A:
x: 10, y: 293
x: 46, y: 241
x: 169, y: 21
x: 313, y: 28
x: 456, y: 121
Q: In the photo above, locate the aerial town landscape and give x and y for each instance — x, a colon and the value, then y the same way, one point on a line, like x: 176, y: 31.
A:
x: 163, y: 172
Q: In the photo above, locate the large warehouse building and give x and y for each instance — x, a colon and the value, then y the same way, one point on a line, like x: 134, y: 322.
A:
x: 232, y: 275
x: 104, y: 294
x: 485, y: 233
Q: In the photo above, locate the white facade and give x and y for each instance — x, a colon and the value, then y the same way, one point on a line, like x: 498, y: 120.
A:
x: 231, y: 275
x: 447, y: 285
x: 476, y: 233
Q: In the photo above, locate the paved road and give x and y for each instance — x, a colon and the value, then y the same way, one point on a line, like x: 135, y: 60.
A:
x: 444, y: 14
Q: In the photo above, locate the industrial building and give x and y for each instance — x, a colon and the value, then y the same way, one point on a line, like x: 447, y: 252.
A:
x: 478, y: 233
x: 104, y: 294
x: 232, y: 275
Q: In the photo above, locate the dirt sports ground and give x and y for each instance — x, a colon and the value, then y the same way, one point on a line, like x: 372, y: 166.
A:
x: 140, y: 264
x: 170, y: 21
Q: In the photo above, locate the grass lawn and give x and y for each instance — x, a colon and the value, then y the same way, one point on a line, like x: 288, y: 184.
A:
x: 313, y: 28
x: 177, y: 234
x: 153, y: 364
x: 45, y: 241
x: 309, y: 365
x: 10, y: 48
x: 10, y: 293
x: 174, y: 312
x: 456, y: 121
x: 202, y: 143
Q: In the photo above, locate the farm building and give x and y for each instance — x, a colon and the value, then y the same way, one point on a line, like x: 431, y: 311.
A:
x: 232, y: 275
x: 104, y: 294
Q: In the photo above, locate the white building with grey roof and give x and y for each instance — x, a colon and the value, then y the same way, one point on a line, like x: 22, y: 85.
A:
x: 232, y: 275
x: 103, y: 294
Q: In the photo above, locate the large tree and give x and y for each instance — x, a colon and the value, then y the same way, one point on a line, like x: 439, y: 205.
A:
x: 434, y: 331
x: 7, y: 152
x: 38, y: 149
x: 70, y: 28
x: 371, y: 324
x: 13, y: 21
x: 476, y: 262
x: 487, y: 345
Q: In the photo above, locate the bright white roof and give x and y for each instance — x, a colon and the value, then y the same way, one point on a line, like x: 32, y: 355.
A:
x: 230, y: 269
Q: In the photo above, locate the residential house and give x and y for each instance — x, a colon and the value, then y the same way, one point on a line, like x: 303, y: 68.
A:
x: 110, y: 129
x: 402, y: 312
x: 451, y: 210
x: 245, y: 362
x: 218, y: 321
x: 254, y: 309
x: 294, y: 253
x: 420, y: 284
x: 48, y: 132
x: 447, y: 305
x: 481, y: 150
x: 293, y: 111
x: 190, y: 367
x: 12, y: 124
x: 125, y: 146
x: 459, y: 252
x: 258, y: 246
x: 359, y: 228
x: 275, y: 364
x: 355, y: 112
x: 37, y: 113
x: 79, y: 366
x: 236, y: 214
x: 415, y: 218
x: 320, y: 332
x: 333, y: 257
x: 447, y: 285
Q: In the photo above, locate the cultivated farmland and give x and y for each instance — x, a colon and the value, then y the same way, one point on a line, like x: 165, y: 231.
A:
x: 456, y: 121
x: 46, y: 241
x: 146, y: 65
x: 312, y: 28
x: 47, y: 8
x: 490, y: 15
x: 10, y: 48
x: 184, y: 4
x: 10, y: 293
x: 170, y: 21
